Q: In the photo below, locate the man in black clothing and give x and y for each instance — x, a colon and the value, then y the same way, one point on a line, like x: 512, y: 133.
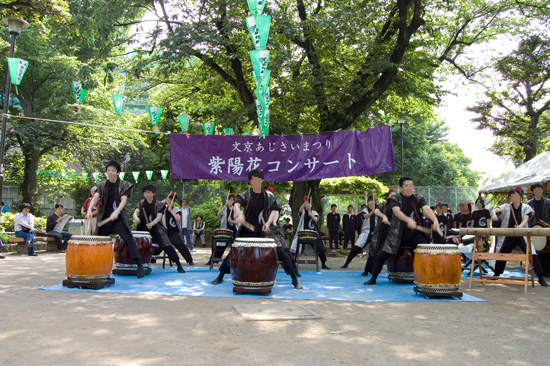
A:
x: 260, y: 218
x: 407, y: 208
x: 111, y: 198
x: 541, y: 206
x: 170, y: 221
x: 148, y: 216
x: 333, y: 225
x: 348, y: 222
x: 62, y: 237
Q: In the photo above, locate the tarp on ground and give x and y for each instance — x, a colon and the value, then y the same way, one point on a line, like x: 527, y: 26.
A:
x: 533, y: 171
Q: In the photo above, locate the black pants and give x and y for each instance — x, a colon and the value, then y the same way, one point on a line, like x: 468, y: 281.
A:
x: 382, y: 256
x: 333, y: 236
x: 510, y: 242
x: 352, y: 253
x: 164, y: 244
x: 122, y: 230
x: 348, y: 237
x: 177, y: 240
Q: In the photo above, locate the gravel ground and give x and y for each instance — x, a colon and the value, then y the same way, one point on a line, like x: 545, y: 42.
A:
x: 68, y: 328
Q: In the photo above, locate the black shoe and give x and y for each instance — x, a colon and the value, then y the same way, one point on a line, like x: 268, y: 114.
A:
x: 370, y: 282
x: 324, y: 266
x: 344, y: 266
x: 365, y: 274
x: 217, y: 281
x: 153, y: 260
x: 140, y: 273
x: 542, y: 281
x: 547, y: 275
x: 181, y: 270
x: 191, y: 263
x: 33, y: 254
x: 2, y: 256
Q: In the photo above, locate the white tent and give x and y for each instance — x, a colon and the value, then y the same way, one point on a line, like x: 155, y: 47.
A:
x: 533, y: 171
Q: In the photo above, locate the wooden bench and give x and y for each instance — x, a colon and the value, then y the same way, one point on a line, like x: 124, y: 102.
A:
x: 526, y: 257
x: 46, y: 243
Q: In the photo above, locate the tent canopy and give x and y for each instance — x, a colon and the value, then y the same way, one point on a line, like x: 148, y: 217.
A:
x: 533, y: 171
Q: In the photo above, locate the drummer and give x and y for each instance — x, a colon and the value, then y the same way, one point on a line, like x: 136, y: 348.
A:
x: 171, y: 221
x: 541, y: 206
x: 228, y: 222
x: 260, y: 218
x: 369, y: 223
x: 111, y: 198
x: 308, y: 221
x: 148, y: 216
x: 407, y: 208
x: 515, y: 215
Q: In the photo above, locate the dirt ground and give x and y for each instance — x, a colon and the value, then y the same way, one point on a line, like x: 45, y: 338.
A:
x: 81, y: 328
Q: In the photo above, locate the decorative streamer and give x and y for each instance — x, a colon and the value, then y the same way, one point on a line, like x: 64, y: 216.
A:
x: 208, y: 128
x: 95, y: 175
x: 136, y: 176
x: 17, y: 68
x: 228, y: 131
x: 154, y: 114
x: 79, y: 93
x: 184, y: 123
x: 149, y: 174
x: 164, y: 173
x: 121, y: 175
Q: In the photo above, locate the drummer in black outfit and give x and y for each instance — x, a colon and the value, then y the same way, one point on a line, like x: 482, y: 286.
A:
x: 171, y: 220
x: 310, y: 223
x: 441, y: 215
x: 148, y: 216
x: 541, y: 206
x: 260, y: 219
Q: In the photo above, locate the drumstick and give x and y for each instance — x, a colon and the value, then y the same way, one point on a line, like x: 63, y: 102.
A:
x: 428, y: 231
x: 145, y: 214
x: 103, y: 222
x: 248, y: 225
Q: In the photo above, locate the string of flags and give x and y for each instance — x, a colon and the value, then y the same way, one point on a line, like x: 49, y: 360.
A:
x: 258, y: 25
x: 96, y: 176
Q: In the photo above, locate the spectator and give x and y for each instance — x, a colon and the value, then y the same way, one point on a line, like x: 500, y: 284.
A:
x: 185, y: 223
x: 90, y: 225
x: 198, y: 230
x: 54, y: 219
x: 23, y: 225
x: 333, y: 225
x: 4, y: 209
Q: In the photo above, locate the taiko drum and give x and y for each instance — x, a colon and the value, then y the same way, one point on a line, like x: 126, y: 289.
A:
x: 123, y: 260
x: 89, y: 258
x: 253, y: 265
x: 437, y: 268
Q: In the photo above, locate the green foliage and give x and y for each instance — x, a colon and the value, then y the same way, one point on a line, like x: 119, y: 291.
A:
x: 358, y: 186
x: 517, y: 111
x: 208, y: 211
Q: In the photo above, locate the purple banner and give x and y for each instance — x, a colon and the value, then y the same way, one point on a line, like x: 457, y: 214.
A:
x: 282, y: 158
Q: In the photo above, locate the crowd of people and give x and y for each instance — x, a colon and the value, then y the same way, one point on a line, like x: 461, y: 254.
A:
x: 402, y: 219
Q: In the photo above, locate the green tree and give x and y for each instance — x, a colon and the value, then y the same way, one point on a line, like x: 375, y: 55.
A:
x: 516, y: 110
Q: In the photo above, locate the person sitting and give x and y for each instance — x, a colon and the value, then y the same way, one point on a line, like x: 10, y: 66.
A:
x: 54, y: 219
x: 23, y: 225
x: 198, y: 230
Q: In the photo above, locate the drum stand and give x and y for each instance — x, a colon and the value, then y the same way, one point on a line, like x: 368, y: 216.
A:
x: 430, y: 294
x: 310, y: 241
x: 94, y: 285
x: 131, y: 271
x: 222, y: 239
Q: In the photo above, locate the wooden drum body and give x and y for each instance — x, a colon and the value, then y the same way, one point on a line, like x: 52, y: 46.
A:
x: 89, y: 261
x: 400, y: 266
x: 253, y: 265
x: 437, y: 270
x: 125, y: 265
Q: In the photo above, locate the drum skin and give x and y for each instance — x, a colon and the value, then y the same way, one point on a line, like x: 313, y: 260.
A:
x: 400, y: 265
x: 89, y: 257
x: 304, y: 234
x: 437, y: 267
x: 254, y: 262
x: 225, y: 233
x: 143, y: 243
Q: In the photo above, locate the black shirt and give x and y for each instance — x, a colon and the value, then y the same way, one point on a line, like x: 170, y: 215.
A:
x: 538, y: 207
x: 171, y: 225
x: 517, y: 212
x: 412, y: 210
x: 480, y: 218
x: 111, y: 201
x: 51, y: 222
x: 442, y: 222
x: 466, y: 220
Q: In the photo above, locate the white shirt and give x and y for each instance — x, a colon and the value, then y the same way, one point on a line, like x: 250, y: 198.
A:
x: 184, y: 214
x: 27, y: 221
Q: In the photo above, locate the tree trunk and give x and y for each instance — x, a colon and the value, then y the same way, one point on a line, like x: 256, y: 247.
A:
x: 30, y: 182
x: 301, y: 189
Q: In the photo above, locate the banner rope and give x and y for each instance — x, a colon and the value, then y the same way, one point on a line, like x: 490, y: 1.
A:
x: 84, y: 124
